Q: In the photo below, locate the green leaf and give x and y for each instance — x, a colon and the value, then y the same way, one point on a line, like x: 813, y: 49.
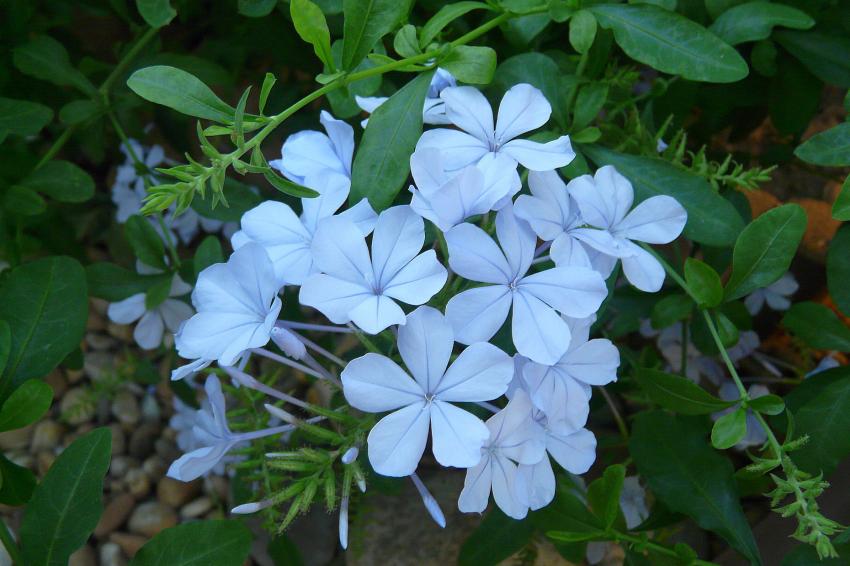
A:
x: 821, y: 409
x: 671, y: 309
x: 472, y: 65
x: 603, y: 494
x: 146, y: 243
x: 689, y: 477
x: 755, y: 20
x: 256, y: 8
x: 207, y: 254
x: 268, y: 83
x: 312, y: 27
x: 582, y: 30
x: 826, y: 56
x: 22, y: 117
x: 567, y: 536
x: 288, y: 187
x: 27, y: 404
x: 17, y: 485
x: 222, y: 542
x: 382, y: 163
x: 496, y: 538
x: 366, y: 22
x: 157, y: 293
x: 704, y: 283
x: 817, y: 326
x: 764, y: 250
x: 181, y: 91
x: 45, y: 303
x: 829, y: 149
x: 727, y: 331
x: 767, y: 404
x: 156, y: 13
x: 5, y: 344
x: 729, y: 429
x: 79, y: 111
x: 671, y: 43
x: 678, y: 394
x: 115, y: 283
x: 67, y: 504
x: 712, y: 220
x: 841, y: 206
x: 46, y: 59
x: 62, y: 181
x: 540, y: 71
x: 444, y: 16
x: 838, y: 269
x: 405, y: 41
x: 589, y: 102
x: 23, y: 201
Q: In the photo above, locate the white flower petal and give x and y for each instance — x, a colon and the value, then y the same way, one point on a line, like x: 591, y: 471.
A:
x: 425, y: 343
x: 363, y: 215
x: 369, y: 103
x: 174, y: 312
x: 476, y: 487
x: 536, y: 484
x: 475, y: 256
x: 567, y: 251
x: 643, y: 270
x: 332, y: 195
x: 563, y: 400
x: 457, y: 435
x: 595, y: 362
x: 397, y: 239
x: 547, y: 210
x: 538, y: 156
x: 575, y: 452
x: 603, y: 241
x: 335, y: 298
x: 306, y: 153
x: 459, y: 149
x: 469, y: 110
x: 339, y: 249
x: 245, y: 284
x: 657, y: 220
x: 129, y: 310
x: 428, y: 170
x: 480, y: 373
x: 397, y: 441
x: 523, y: 108
x: 477, y: 314
x: 377, y: 313
x: 342, y: 138
x: 538, y: 332
x: 517, y: 241
x: 418, y: 281
x: 374, y: 383
x: 195, y: 464
x: 148, y: 333
x: 504, y: 488
x: 575, y: 291
x: 603, y: 199
x: 515, y: 434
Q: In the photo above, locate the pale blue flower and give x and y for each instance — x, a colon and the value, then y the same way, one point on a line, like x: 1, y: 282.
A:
x: 777, y: 295
x: 476, y: 314
x: 308, y: 153
x: 434, y: 108
x: 354, y: 286
x: 375, y: 384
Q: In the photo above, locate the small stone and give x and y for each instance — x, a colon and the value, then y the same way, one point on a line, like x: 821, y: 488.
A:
x: 98, y: 306
x: 176, y: 493
x: 46, y: 436
x: 83, y: 557
x: 138, y: 483
x: 57, y: 381
x: 123, y: 332
x: 130, y: 544
x: 150, y: 409
x: 44, y: 460
x: 16, y: 439
x: 119, y: 439
x: 77, y: 406
x: 118, y: 466
x: 154, y: 467
x: 151, y: 517
x: 114, y: 514
x: 99, y: 341
x: 196, y: 508
x: 167, y: 449
x: 125, y: 408
x: 143, y: 439
x: 111, y: 555
x: 98, y: 365
x: 74, y: 375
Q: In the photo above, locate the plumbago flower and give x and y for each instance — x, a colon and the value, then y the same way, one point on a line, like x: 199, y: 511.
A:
x: 604, y: 201
x: 375, y: 384
x: 287, y: 237
x: 434, y: 108
x: 476, y: 314
x: 152, y: 321
x: 308, y: 153
x: 354, y: 286
x: 777, y: 295
x: 523, y: 109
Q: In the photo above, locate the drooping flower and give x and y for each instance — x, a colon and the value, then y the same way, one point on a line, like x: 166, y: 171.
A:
x: 777, y: 295
x: 514, y: 439
x: 152, y: 322
x: 308, y: 153
x: 562, y: 390
x: 353, y: 286
x: 604, y: 201
x: 554, y: 216
x: 375, y: 384
x: 476, y: 314
x: 433, y: 110
x: 237, y: 306
x: 756, y: 435
x: 287, y: 237
x: 129, y: 188
x: 447, y: 199
x: 523, y: 109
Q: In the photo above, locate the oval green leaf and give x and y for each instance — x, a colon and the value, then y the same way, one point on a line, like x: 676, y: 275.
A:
x: 181, y: 91
x: 838, y: 269
x: 819, y: 327
x: 156, y: 13
x: 223, y: 543
x: 62, y: 181
x: 678, y: 394
x: 367, y: 21
x: 25, y: 405
x: 754, y: 21
x: 22, y: 117
x: 829, y: 149
x: 729, y: 429
x: 826, y: 56
x: 704, y: 283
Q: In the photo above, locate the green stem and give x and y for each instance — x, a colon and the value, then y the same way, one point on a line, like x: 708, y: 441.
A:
x: 618, y: 418
x: 726, y: 359
x: 57, y: 145
x: 656, y: 547
x: 172, y: 249
x: 9, y: 543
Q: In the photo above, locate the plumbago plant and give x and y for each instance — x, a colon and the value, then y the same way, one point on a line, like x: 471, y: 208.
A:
x: 518, y: 267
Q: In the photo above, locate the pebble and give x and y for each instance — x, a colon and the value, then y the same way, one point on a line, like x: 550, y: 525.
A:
x: 99, y: 341
x: 83, y: 557
x: 125, y: 408
x: 119, y: 439
x: 111, y: 555
x: 167, y: 449
x: 129, y: 543
x: 76, y: 406
x: 123, y: 332
x: 74, y: 375
x: 44, y: 460
x: 143, y: 439
x: 114, y: 514
x: 138, y: 483
x: 150, y: 409
x: 15, y: 439
x: 176, y: 493
x: 196, y: 508
x: 151, y: 517
x: 56, y: 380
x: 98, y: 365
x: 154, y: 467
x: 119, y: 466
x: 46, y: 436
x: 99, y: 307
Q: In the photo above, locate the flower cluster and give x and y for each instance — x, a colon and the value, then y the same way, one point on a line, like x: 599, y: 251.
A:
x: 441, y: 296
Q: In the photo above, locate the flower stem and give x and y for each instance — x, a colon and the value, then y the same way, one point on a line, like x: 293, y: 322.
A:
x: 9, y: 543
